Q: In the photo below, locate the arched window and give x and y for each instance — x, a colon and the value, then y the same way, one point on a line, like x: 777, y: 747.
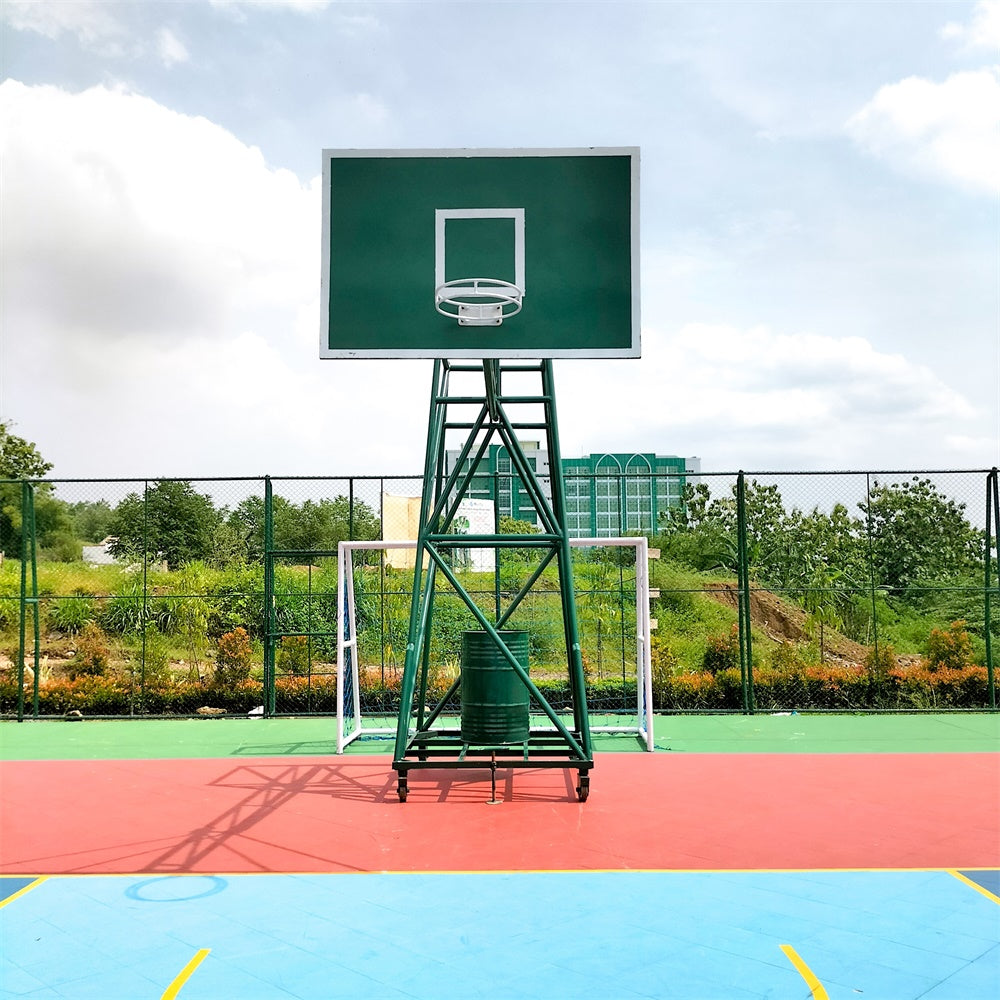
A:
x: 638, y: 492
x: 607, y: 484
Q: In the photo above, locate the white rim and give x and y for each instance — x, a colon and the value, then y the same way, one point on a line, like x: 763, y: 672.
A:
x: 481, y: 291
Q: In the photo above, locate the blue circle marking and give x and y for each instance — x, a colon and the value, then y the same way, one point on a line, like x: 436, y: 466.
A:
x: 176, y: 888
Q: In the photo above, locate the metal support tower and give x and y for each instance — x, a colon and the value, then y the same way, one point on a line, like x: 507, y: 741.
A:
x: 418, y: 743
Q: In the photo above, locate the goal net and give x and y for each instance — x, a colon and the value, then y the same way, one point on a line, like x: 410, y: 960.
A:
x: 611, y: 586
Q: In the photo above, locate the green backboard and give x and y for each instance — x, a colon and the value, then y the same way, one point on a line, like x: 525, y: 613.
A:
x: 469, y: 253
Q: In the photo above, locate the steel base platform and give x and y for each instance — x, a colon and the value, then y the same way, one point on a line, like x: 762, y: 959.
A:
x: 446, y: 748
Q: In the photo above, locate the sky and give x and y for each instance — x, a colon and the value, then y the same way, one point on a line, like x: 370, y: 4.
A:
x: 820, y: 224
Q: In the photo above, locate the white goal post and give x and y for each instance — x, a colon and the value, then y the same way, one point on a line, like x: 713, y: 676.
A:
x: 635, y: 718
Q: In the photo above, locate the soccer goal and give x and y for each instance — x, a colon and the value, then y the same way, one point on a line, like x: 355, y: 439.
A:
x: 611, y: 586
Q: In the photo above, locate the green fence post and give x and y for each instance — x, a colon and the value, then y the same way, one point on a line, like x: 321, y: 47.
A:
x: 350, y: 508
x: 23, y: 603
x: 871, y: 561
x: 145, y: 593
x: 28, y: 554
x: 30, y: 513
x: 269, y: 695
x: 992, y: 524
x: 743, y: 595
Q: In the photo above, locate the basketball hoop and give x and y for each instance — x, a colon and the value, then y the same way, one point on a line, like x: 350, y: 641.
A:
x: 478, y: 301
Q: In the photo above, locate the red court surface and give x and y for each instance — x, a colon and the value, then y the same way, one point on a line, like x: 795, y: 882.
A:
x: 690, y: 812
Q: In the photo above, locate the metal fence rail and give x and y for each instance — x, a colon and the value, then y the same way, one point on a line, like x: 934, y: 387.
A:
x: 775, y: 591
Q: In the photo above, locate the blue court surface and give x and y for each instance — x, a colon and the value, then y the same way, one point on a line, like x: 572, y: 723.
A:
x: 893, y: 935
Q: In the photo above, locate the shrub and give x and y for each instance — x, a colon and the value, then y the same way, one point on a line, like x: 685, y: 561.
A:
x: 293, y: 654
x: 233, y: 658
x: 124, y: 613
x: 950, y: 648
x: 880, y: 661
x: 68, y: 615
x: 921, y: 686
x: 664, y: 665
x: 787, y: 658
x: 722, y: 652
x: 92, y: 652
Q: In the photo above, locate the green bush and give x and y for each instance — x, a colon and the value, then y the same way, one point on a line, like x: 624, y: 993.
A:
x: 722, y: 652
x: 950, y: 648
x: 68, y: 615
x: 293, y: 654
x: 93, y: 654
x: 124, y: 613
x: 233, y: 659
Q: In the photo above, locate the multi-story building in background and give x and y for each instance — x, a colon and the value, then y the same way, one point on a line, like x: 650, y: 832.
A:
x: 607, y: 494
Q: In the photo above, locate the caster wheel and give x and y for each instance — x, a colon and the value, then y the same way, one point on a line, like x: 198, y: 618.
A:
x: 583, y: 789
x: 403, y: 790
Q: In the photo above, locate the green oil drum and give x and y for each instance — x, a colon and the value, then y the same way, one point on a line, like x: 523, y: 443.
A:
x: 494, y: 699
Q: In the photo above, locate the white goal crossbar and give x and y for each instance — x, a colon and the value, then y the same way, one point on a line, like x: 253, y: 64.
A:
x: 349, y: 706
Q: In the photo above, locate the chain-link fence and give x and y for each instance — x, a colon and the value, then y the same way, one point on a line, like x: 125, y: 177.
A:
x: 862, y: 591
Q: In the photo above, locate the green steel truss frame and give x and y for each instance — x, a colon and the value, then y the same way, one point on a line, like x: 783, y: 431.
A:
x: 418, y: 743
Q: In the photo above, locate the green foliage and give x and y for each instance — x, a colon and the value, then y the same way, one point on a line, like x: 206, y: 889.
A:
x: 68, y: 615
x: 695, y: 534
x: 234, y: 657
x: 236, y: 600
x: 293, y: 654
x: 307, y: 603
x: 170, y: 522
x: 513, y: 526
x: 722, y: 652
x: 514, y: 560
x: 90, y: 520
x: 664, y: 665
x: 880, y: 662
x: 124, y: 613
x: 787, y: 658
x: 308, y: 526
x: 93, y: 654
x: 60, y: 546
x: 20, y: 459
x: 949, y: 648
x: 451, y: 619
x: 913, y: 533
x: 917, y: 533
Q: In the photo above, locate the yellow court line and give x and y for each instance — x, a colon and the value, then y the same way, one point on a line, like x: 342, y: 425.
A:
x: 21, y: 892
x: 185, y: 974
x: 975, y: 885
x: 303, y: 873
x: 815, y: 986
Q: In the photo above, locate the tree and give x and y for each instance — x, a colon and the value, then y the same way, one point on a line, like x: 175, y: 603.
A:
x: 313, y: 525
x: 695, y: 534
x: 90, y: 519
x: 173, y: 523
x: 20, y: 460
x: 919, y: 535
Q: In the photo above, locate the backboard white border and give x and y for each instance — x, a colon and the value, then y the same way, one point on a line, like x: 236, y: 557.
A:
x: 325, y: 352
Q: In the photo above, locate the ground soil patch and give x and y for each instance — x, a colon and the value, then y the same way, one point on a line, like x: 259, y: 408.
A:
x: 784, y: 621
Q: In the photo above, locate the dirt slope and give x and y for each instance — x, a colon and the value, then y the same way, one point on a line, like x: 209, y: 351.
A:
x: 784, y: 621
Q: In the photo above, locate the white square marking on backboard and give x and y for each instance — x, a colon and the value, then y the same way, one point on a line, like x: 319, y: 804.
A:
x: 442, y: 215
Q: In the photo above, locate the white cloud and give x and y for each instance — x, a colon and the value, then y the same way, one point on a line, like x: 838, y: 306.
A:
x: 948, y: 130
x: 297, y: 6
x: 983, y: 29
x: 123, y: 218
x: 161, y: 291
x: 755, y: 397
x: 91, y: 21
x: 171, y: 49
